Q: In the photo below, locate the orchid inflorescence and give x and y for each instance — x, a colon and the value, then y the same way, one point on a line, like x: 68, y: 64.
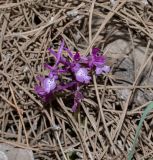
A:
x: 71, y: 72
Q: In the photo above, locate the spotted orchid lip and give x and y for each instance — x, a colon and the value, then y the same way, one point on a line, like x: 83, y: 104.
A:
x: 49, y: 85
x: 82, y: 75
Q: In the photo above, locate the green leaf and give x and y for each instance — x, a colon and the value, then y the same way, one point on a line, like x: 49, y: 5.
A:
x: 146, y: 111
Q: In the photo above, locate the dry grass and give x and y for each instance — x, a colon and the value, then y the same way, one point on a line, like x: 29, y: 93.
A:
x: 104, y: 126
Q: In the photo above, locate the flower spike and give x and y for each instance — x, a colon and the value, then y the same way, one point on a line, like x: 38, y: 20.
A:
x: 70, y: 74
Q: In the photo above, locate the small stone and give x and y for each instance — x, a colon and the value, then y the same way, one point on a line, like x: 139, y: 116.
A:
x: 8, y: 152
x: 3, y: 156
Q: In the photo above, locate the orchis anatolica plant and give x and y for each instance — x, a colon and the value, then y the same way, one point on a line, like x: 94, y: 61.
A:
x: 70, y: 73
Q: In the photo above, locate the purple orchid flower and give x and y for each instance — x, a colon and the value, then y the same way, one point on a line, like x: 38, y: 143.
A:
x: 82, y: 75
x: 95, y: 59
x: 46, y: 85
x: 77, y: 70
x: 49, y: 84
x: 98, y: 61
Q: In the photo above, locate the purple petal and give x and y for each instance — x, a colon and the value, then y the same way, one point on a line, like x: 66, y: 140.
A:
x: 75, y: 67
x: 40, y: 78
x: 95, y: 59
x: 51, y: 75
x: 99, y: 60
x: 47, y: 66
x: 39, y: 90
x: 82, y: 75
x: 87, y: 79
x: 52, y: 52
x: 49, y: 85
x: 98, y: 70
x: 80, y: 79
x: 59, y: 53
x: 77, y: 57
x: 63, y: 87
x: 84, y: 59
x: 95, y: 51
x: 104, y: 69
x: 62, y: 71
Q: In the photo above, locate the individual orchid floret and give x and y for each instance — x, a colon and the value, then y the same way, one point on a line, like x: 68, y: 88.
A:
x: 82, y: 75
x: 46, y: 85
x: 95, y: 59
x: 49, y: 84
